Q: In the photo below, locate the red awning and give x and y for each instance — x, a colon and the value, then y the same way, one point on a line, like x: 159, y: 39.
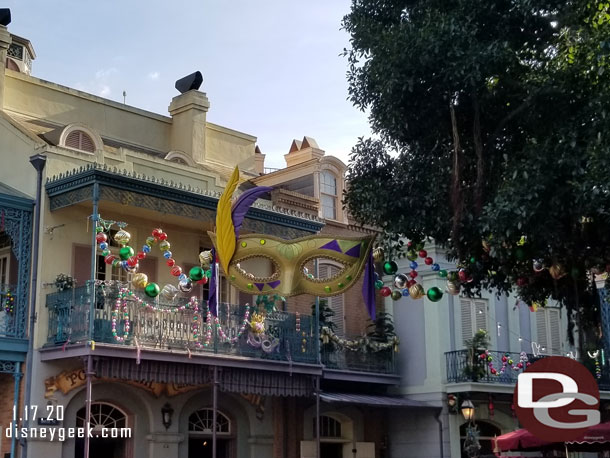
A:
x: 522, y: 439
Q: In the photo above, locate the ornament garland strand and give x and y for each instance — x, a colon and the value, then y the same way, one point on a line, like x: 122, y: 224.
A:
x: 506, y: 362
x: 359, y: 344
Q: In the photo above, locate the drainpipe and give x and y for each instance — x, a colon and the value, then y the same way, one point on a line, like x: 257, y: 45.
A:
x: 17, y: 375
x: 38, y: 161
x: 437, y: 417
x: 214, y: 410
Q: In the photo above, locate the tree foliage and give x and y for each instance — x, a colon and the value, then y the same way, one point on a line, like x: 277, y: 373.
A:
x: 493, y: 135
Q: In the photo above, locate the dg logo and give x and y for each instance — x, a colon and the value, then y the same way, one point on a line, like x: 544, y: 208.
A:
x: 557, y: 399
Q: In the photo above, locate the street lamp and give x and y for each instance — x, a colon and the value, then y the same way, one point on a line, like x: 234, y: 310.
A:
x: 468, y: 410
x: 166, y: 415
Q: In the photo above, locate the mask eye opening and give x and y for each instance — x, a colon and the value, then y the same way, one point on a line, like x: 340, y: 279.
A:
x: 340, y: 266
x: 252, y: 277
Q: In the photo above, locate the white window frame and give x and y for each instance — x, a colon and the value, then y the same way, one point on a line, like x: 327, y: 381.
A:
x: 323, y: 186
x: 477, y: 307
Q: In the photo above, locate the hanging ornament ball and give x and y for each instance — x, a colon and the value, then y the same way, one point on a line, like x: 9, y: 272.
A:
x: 122, y: 237
x: 152, y: 290
x: 203, y: 281
x: 101, y: 237
x: 423, y: 253
x: 411, y: 255
x: 385, y: 291
x: 176, y: 271
x: 170, y: 262
x: 132, y: 261
x: 140, y: 255
x: 378, y: 254
x: 156, y: 232
x: 132, y: 269
x: 522, y: 281
x: 162, y: 236
x: 434, y: 294
x: 400, y: 281
x: 109, y: 258
x: 413, y: 274
x: 396, y: 295
x: 463, y: 275
x: 453, y: 288
x: 429, y: 261
x: 557, y: 271
x: 417, y: 291
x: 185, y: 286
x: 538, y: 265
x: 139, y: 280
x: 390, y: 267
x: 405, y: 292
x: 196, y: 273
x: 126, y: 252
x: 169, y: 292
x: 452, y: 276
x: 435, y: 267
x: 378, y: 284
x: 411, y: 283
x: 413, y: 265
x: 442, y: 273
x: 99, y: 229
x: 205, y: 259
x: 164, y: 245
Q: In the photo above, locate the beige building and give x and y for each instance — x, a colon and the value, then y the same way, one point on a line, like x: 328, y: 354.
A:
x: 116, y: 167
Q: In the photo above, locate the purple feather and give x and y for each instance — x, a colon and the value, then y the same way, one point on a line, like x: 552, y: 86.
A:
x: 243, y: 204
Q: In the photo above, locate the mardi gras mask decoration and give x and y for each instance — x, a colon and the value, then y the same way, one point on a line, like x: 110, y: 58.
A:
x: 262, y: 264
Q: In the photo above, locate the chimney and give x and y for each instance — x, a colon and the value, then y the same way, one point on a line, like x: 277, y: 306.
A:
x: 303, y: 151
x: 5, y: 42
x: 188, y: 112
x: 259, y: 161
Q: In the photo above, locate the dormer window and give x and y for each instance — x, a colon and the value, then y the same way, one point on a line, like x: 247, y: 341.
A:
x: 328, y: 195
x: 79, y: 140
x: 16, y: 51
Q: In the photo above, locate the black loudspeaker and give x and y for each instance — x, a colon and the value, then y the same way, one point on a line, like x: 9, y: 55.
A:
x: 190, y: 82
x: 5, y: 16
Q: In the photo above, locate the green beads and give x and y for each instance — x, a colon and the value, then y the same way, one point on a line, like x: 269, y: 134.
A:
x: 126, y: 252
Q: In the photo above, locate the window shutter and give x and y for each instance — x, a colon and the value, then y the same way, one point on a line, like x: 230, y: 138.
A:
x: 554, y: 331
x: 466, y: 310
x: 77, y: 139
x: 474, y: 317
x: 548, y: 328
x: 81, y: 264
x: 480, y: 315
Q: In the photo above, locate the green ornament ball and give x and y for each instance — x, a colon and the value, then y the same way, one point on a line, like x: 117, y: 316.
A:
x: 442, y: 273
x: 390, y: 267
x: 411, y: 255
x: 196, y: 273
x: 126, y: 252
x: 396, y: 295
x: 434, y: 294
x: 152, y: 290
x: 378, y: 284
x: 472, y: 260
x: 99, y: 229
x: 208, y: 273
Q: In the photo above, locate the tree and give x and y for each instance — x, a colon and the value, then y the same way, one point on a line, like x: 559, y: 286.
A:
x: 493, y: 137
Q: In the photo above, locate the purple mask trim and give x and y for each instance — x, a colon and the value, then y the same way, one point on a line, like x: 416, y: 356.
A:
x: 332, y: 245
x: 354, y: 251
x: 260, y: 286
x: 274, y: 284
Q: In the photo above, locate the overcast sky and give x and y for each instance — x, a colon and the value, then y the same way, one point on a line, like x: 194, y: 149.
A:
x: 271, y: 68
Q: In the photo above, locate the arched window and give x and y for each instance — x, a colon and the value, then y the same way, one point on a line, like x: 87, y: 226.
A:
x: 328, y: 194
x: 103, y: 415
x: 201, y: 422
x: 113, y: 420
x: 79, y: 140
x: 330, y: 428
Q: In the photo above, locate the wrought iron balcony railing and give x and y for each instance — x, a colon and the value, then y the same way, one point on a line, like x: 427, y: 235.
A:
x: 10, y: 323
x: 284, y: 337
x: 462, y: 366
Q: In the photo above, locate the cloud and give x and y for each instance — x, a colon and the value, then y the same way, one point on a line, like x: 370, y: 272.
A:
x: 104, y: 91
x: 104, y: 73
x: 153, y: 75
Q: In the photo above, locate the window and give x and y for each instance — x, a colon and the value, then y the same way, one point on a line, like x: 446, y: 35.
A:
x: 335, y: 303
x: 329, y: 427
x: 328, y: 195
x: 78, y: 139
x: 474, y: 317
x: 15, y: 51
x: 103, y: 415
x: 201, y: 422
x: 5, y: 257
x: 548, y: 329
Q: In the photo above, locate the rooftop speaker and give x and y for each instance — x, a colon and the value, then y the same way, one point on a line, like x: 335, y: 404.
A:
x: 5, y: 16
x: 190, y: 82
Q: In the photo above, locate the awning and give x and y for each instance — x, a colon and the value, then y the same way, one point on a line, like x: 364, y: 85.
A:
x: 372, y: 400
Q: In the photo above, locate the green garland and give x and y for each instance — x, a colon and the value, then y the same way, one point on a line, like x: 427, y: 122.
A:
x: 363, y: 344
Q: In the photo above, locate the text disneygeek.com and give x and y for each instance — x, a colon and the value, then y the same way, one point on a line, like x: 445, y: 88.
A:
x: 61, y: 433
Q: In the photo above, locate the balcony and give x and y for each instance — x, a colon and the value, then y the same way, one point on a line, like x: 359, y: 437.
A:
x: 178, y: 326
x: 462, y: 368
x: 12, y: 324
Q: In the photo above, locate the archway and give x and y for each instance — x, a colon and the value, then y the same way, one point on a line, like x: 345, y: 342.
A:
x: 487, y: 432
x: 200, y: 435
x: 106, y: 420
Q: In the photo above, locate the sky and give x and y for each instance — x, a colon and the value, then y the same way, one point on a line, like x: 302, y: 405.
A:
x: 271, y: 68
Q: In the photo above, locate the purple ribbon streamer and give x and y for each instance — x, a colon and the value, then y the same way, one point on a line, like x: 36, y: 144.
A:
x: 368, y: 286
x: 212, y: 305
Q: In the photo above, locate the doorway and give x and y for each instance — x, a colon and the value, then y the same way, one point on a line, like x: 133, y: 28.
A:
x: 331, y: 450
x: 103, y: 416
x: 201, y: 447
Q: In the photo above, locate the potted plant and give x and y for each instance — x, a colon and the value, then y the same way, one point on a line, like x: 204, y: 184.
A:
x: 475, y: 367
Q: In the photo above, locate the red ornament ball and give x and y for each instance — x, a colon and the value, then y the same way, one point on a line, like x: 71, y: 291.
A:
x: 410, y: 283
x: 409, y: 244
x: 108, y: 259
x: 493, y: 371
x: 132, y: 261
x: 101, y: 237
x: 141, y: 255
x: 423, y: 253
x: 429, y: 261
x: 413, y: 273
x: 176, y: 271
x: 171, y: 262
x: 385, y: 291
x: 157, y: 232
x: 162, y: 236
x: 463, y: 275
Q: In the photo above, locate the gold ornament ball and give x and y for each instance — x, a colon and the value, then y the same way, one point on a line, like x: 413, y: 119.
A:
x: 205, y: 258
x: 453, y: 288
x: 378, y: 254
x: 122, y: 237
x: 416, y: 291
x: 169, y: 292
x: 139, y: 280
x: 557, y: 271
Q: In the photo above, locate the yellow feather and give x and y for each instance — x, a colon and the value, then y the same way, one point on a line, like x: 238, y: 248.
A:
x: 224, y: 223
